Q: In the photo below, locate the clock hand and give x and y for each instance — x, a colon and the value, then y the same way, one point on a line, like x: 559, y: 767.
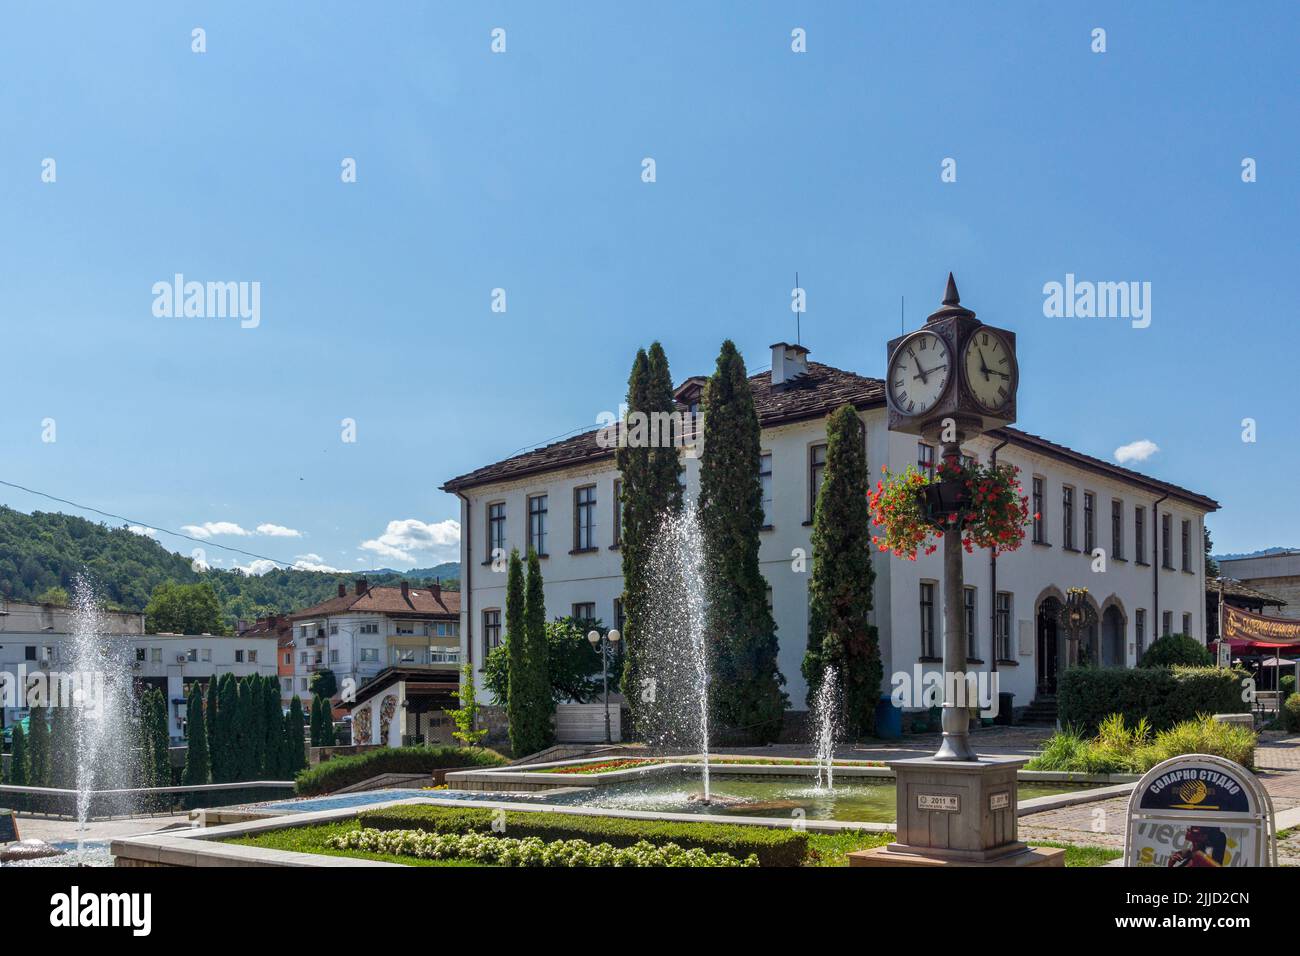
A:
x: 920, y: 371
x: 983, y: 365
x: 927, y: 371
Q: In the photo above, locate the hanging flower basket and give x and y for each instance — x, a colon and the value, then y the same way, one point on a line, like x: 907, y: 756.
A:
x: 985, y: 504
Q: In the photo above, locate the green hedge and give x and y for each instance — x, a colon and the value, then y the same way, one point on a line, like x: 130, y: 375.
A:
x: 1164, y: 696
x: 345, y: 771
x: 1173, y: 650
x: 1291, y: 714
x: 772, y: 847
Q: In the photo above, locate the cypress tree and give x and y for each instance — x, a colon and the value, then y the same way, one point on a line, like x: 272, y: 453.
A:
x: 315, y: 720
x: 273, y: 730
x: 159, y: 739
x: 38, y: 748
x: 196, y: 755
x: 651, y: 476
x: 63, y: 748
x: 840, y: 592
x: 19, y: 769
x: 541, y: 704
x: 517, y: 709
x: 327, y: 738
x: 227, y: 728
x: 254, y: 722
x: 295, y: 758
x: 213, y: 731
x: 746, y: 698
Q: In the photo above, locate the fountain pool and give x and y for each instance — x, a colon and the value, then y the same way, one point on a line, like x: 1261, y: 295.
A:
x: 765, y: 796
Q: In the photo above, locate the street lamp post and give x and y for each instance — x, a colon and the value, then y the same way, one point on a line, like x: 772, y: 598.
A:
x: 602, y: 645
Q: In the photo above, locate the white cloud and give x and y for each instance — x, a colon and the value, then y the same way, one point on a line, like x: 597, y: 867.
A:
x: 257, y: 566
x: 1139, y: 450
x: 142, y: 530
x: 313, y: 562
x: 210, y: 528
x: 278, y: 531
x: 403, y: 540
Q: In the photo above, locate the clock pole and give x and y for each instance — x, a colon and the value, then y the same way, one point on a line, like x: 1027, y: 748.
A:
x: 956, y: 715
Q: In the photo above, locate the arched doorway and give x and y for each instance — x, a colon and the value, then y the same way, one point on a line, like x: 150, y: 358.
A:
x: 1046, y: 658
x: 1112, y: 638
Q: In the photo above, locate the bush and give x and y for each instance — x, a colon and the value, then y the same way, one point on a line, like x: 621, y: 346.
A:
x: 1287, y: 685
x: 1204, y: 735
x: 1176, y: 649
x: 1117, y: 748
x: 1164, y: 696
x: 344, y: 771
x: 771, y: 847
x: 529, y: 851
x: 1291, y: 714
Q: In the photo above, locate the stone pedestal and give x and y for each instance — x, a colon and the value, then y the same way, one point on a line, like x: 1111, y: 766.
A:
x: 957, y: 812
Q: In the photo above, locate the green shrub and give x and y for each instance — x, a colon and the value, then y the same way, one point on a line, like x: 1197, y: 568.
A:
x: 1291, y: 714
x: 772, y: 847
x: 1287, y: 685
x: 529, y: 851
x: 1117, y: 748
x: 344, y: 771
x: 1203, y: 735
x: 1172, y: 650
x: 1164, y: 696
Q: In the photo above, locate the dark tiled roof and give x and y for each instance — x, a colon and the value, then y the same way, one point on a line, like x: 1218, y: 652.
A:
x: 1052, y: 449
x: 426, y: 674
x: 1233, y: 588
x: 387, y: 600
x: 814, y: 395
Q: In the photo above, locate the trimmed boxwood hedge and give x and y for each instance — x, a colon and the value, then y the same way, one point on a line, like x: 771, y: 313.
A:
x: 344, y: 771
x: 772, y: 847
x: 1165, y: 696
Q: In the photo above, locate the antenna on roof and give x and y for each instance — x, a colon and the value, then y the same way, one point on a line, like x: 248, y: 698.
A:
x: 798, y: 328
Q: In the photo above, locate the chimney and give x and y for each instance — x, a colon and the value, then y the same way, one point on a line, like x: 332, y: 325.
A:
x: 406, y: 591
x: 362, y: 587
x: 436, y: 588
x: 343, y: 589
x: 789, y: 362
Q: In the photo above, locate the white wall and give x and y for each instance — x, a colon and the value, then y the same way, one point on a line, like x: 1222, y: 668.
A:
x: 1026, y: 573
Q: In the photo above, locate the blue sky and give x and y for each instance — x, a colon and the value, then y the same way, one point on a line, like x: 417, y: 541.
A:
x: 522, y: 171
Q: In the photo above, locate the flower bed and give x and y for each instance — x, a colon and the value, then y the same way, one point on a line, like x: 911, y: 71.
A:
x: 529, y: 851
x: 770, y: 847
x: 603, y: 766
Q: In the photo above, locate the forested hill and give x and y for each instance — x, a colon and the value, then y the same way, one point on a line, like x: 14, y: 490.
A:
x: 46, y: 550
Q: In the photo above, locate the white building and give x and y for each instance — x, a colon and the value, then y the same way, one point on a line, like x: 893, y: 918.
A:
x: 561, y: 500
x: 361, y: 632
x: 38, y: 638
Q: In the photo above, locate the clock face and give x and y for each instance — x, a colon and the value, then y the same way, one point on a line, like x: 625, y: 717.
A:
x: 919, y: 372
x: 990, y: 369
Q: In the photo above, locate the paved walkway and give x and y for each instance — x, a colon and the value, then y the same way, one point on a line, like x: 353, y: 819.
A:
x: 53, y: 830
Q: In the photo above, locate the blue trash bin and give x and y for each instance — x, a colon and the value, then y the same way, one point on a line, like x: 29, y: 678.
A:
x: 889, y: 720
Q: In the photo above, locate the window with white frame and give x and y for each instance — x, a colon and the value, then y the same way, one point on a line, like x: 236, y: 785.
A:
x: 370, y: 655
x: 1002, y: 625
x: 496, y: 529
x: 537, y: 524
x: 765, y: 482
x: 584, y: 518
x: 1067, y: 518
x: 968, y: 608
x: 816, y: 473
x: 928, y: 648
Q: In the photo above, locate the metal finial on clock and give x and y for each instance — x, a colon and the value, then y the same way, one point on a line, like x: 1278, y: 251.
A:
x: 950, y: 296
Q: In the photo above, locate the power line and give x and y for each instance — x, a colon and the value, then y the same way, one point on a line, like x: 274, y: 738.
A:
x: 145, y: 524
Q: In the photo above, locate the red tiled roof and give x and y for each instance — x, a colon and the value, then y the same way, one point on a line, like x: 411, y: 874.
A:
x: 814, y: 395
x: 384, y: 599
